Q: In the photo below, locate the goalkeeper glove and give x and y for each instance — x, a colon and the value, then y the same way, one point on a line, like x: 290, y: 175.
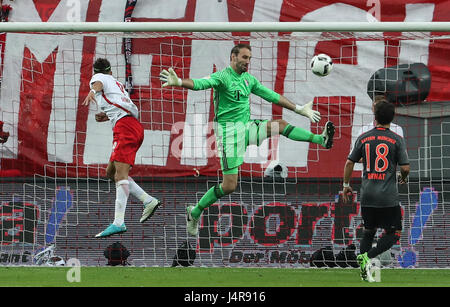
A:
x: 169, y: 78
x: 307, y: 111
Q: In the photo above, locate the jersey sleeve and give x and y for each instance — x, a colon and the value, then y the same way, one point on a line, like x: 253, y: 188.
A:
x: 212, y: 81
x: 402, y: 154
x: 98, y: 77
x: 352, y: 145
x: 356, y: 153
x: 264, y: 92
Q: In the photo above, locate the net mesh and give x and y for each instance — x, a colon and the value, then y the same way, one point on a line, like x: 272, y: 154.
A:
x: 287, y: 204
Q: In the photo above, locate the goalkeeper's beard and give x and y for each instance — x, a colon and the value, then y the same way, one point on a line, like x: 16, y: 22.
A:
x: 244, y: 68
x: 241, y: 67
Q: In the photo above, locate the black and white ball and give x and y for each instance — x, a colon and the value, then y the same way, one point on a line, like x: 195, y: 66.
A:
x: 321, y: 65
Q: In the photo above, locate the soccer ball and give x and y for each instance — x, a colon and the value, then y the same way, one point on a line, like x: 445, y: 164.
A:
x: 321, y: 65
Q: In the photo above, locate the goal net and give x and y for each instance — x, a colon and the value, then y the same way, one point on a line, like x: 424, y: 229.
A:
x: 287, y: 206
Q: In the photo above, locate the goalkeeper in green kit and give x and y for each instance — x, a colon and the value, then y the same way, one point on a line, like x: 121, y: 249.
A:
x: 232, y: 124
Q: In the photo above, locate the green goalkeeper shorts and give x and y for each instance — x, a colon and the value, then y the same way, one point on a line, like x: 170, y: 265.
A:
x: 233, y: 140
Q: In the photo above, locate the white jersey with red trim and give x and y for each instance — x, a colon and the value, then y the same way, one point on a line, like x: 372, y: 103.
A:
x: 114, y: 99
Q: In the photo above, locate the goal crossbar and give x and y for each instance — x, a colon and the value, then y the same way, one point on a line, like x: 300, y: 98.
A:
x: 225, y: 27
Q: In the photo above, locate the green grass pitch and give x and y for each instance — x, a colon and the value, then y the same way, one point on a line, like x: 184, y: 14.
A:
x: 217, y: 277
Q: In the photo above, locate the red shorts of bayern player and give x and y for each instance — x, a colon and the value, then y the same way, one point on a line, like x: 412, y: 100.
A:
x: 128, y: 135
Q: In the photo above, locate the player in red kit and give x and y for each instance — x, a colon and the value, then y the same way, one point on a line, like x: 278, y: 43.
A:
x: 128, y: 135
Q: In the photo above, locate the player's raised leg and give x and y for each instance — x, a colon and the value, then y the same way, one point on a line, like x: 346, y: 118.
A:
x: 151, y: 204
x: 282, y: 127
x: 385, y: 243
x: 228, y: 186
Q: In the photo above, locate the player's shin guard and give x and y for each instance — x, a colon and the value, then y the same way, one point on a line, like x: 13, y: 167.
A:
x: 384, y: 244
x: 122, y: 193
x: 300, y: 134
x: 207, y: 200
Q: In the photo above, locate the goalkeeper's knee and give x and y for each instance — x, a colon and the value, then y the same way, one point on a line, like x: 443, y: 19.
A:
x: 229, y: 187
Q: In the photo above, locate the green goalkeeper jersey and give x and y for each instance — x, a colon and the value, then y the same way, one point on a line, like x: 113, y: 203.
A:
x: 232, y: 92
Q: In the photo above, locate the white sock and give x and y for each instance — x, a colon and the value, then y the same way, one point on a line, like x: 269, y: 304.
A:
x: 138, y: 192
x: 122, y: 193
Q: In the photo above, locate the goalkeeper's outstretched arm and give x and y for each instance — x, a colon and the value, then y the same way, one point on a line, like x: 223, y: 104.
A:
x: 271, y: 96
x: 170, y: 78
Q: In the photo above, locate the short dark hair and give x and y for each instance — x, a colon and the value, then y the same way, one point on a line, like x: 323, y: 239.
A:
x: 384, y: 112
x: 102, y: 66
x: 379, y: 98
x: 236, y: 49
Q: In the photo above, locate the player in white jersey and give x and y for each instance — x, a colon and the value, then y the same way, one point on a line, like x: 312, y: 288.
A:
x: 128, y: 135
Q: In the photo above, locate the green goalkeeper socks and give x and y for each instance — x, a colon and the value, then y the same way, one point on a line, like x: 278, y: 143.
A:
x: 207, y: 200
x: 300, y: 134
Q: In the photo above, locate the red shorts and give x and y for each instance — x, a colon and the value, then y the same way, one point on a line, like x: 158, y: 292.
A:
x: 128, y: 135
